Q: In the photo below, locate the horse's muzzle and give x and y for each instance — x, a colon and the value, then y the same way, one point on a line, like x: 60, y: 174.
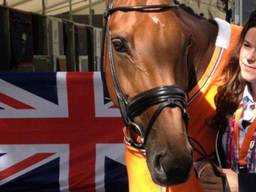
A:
x: 168, y: 170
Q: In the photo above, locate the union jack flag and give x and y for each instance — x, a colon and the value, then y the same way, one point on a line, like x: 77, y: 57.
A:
x: 58, y: 134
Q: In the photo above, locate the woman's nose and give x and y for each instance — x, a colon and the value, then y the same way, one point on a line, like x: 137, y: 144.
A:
x: 251, y: 56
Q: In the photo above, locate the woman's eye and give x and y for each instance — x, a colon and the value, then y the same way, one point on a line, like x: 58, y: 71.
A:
x: 246, y: 44
x: 120, y: 45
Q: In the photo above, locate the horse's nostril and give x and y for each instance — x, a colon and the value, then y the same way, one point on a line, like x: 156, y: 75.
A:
x: 158, y: 164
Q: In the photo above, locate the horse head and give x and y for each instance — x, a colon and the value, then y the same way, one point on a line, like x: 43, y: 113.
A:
x: 148, y: 73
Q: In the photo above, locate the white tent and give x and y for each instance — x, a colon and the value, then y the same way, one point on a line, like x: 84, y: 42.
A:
x: 55, y: 7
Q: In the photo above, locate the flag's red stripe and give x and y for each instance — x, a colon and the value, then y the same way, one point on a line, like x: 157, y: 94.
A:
x: 13, y: 103
x: 23, y: 164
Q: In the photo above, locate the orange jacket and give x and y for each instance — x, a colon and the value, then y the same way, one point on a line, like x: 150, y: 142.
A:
x: 202, y: 96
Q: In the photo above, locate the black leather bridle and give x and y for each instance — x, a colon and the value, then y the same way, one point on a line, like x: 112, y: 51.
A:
x: 164, y: 96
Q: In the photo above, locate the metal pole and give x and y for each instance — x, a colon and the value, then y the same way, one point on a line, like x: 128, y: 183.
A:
x: 5, y: 3
x: 70, y: 11
x: 241, y: 12
x: 226, y: 9
x: 43, y: 7
x: 90, y: 12
x: 72, y: 39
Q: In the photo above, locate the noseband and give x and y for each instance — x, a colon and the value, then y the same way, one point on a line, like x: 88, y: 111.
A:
x: 164, y: 96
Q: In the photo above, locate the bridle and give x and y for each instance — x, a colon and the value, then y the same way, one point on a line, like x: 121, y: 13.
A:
x: 164, y: 96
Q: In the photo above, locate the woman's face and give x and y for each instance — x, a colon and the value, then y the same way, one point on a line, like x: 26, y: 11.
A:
x: 247, y: 57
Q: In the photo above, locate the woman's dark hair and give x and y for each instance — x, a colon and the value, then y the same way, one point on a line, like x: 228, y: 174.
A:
x: 230, y: 93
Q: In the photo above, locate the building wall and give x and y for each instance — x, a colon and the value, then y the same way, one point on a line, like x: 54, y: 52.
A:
x: 247, y: 7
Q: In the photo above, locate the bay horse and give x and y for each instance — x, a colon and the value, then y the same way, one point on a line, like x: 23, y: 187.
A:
x: 159, y: 60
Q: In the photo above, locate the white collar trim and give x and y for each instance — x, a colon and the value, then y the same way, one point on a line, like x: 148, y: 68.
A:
x: 247, y: 93
x: 224, y: 33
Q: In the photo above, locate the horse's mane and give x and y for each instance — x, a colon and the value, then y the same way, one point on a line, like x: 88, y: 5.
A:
x: 186, y: 8
x: 191, y: 11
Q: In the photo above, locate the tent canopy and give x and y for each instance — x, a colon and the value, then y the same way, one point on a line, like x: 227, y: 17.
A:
x: 55, y: 7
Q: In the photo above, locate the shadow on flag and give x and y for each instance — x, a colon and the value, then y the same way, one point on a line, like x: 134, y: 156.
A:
x: 116, y: 178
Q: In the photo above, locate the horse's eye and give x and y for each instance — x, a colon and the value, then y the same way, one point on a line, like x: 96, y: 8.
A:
x: 120, y: 45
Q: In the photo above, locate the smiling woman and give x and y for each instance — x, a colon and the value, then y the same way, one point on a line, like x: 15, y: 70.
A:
x: 235, y: 117
x: 247, y: 59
